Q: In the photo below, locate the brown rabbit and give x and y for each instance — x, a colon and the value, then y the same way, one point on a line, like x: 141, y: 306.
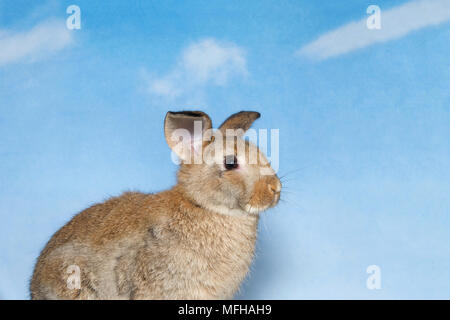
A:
x: 194, y: 241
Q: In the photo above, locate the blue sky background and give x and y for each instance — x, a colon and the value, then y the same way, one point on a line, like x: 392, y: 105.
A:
x: 364, y: 136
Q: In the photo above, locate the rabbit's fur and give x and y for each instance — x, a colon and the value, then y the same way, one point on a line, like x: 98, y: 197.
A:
x: 195, y: 241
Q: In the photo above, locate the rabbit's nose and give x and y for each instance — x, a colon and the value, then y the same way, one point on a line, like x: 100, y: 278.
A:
x: 275, y: 186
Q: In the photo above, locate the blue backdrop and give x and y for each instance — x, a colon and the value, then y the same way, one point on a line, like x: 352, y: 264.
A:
x: 364, y: 132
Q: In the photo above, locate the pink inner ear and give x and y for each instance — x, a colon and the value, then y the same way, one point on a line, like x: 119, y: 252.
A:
x: 196, y: 129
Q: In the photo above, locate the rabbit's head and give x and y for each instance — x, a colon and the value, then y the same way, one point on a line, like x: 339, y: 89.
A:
x: 219, y: 169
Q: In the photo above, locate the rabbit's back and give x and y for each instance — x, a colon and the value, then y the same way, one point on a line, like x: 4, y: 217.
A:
x: 92, y: 243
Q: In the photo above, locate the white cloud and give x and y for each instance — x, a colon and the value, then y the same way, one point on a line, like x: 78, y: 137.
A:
x: 206, y: 62
x: 43, y: 39
x: 395, y: 23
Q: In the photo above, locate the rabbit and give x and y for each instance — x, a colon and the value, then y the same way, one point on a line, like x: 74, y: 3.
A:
x: 194, y: 241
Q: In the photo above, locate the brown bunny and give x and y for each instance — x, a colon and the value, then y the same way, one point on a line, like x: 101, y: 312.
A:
x: 194, y: 241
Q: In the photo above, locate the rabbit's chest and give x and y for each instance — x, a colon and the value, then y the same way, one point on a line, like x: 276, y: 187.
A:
x: 214, y: 257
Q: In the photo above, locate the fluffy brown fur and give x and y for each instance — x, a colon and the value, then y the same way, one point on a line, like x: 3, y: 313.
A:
x: 195, y: 241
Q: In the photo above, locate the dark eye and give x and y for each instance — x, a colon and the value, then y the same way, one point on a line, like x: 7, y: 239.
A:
x: 230, y: 162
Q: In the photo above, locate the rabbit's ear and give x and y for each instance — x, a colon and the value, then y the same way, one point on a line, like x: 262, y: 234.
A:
x: 241, y: 120
x: 186, y: 132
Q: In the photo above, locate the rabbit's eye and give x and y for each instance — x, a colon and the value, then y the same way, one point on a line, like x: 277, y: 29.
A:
x: 230, y: 162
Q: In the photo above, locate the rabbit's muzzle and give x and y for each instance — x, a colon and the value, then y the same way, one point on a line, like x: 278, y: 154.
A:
x: 266, y: 194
